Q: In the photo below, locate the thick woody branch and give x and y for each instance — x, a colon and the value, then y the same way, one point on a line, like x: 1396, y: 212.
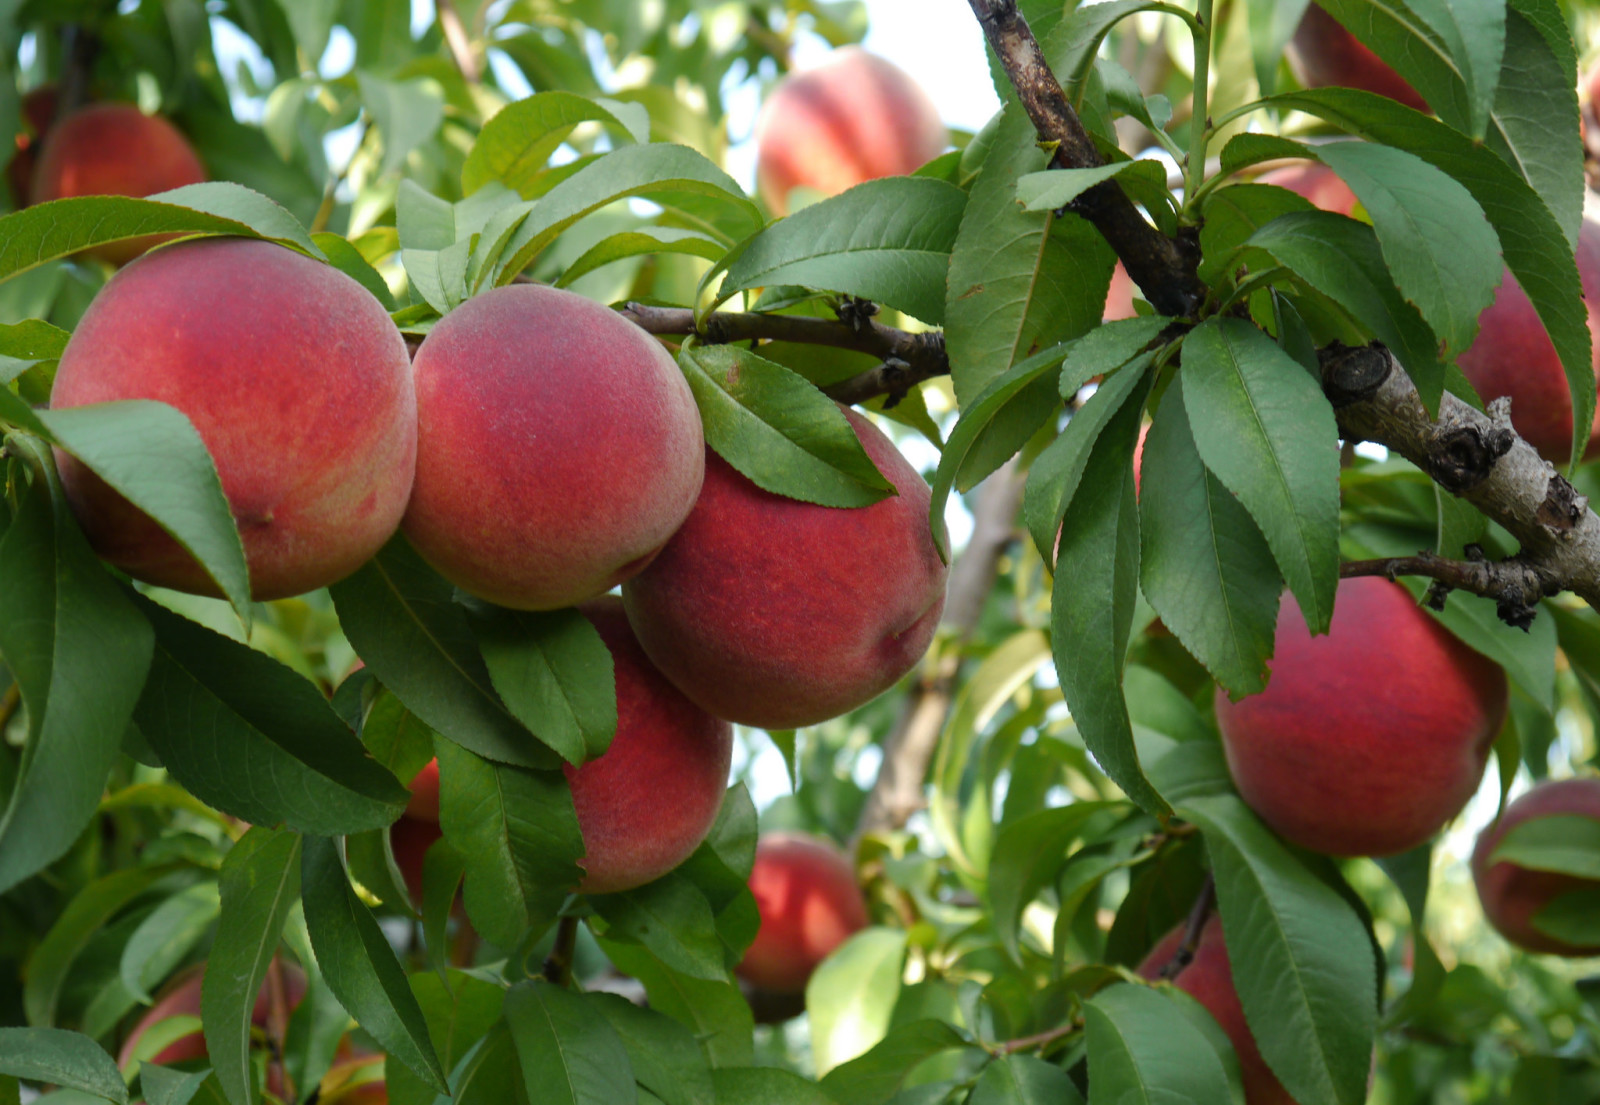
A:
x: 1165, y: 269
x: 1515, y: 585
x: 910, y: 746
x: 1477, y: 457
x: 908, y: 359
x: 1204, y: 903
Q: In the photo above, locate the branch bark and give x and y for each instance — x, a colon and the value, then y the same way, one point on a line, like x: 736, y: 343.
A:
x: 1514, y: 584
x: 910, y: 746
x: 1204, y: 903
x: 1165, y: 269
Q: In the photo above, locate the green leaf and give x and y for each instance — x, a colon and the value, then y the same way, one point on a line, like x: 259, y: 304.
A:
x: 886, y: 240
x: 260, y: 881
x: 554, y: 673
x: 1272, y: 25
x: 360, y: 967
x: 61, y: 1058
x: 166, y: 937
x: 875, y: 1077
x: 1307, y: 981
x: 1567, y: 844
x: 1528, y: 657
x: 1341, y: 258
x: 254, y: 738
x: 152, y: 455
x: 1028, y: 853
x: 1024, y: 1080
x: 695, y: 190
x: 348, y: 260
x: 78, y: 652
x: 569, y: 1052
x: 766, y: 1086
x: 461, y: 1011
x: 28, y: 343
x: 1018, y: 281
x: 645, y: 240
x: 666, y: 1060
x: 851, y: 995
x: 1205, y: 566
x: 403, y: 620
x: 161, y: 1086
x: 1265, y: 430
x: 715, y: 1011
x: 405, y: 113
x: 515, y: 145
x: 1055, y: 188
x: 1143, y: 1048
x: 1091, y: 606
x: 772, y: 425
x: 1536, y: 246
x: 46, y: 231
x: 672, y: 918
x: 1573, y: 917
x: 311, y: 21
x: 1409, y: 872
x: 1439, y: 247
x: 518, y: 833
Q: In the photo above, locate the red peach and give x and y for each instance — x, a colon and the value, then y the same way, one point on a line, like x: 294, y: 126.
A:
x: 181, y: 997
x: 424, y: 802
x: 810, y: 903
x: 649, y: 801
x: 1512, y: 894
x: 1119, y: 297
x: 1325, y: 54
x: 558, y: 447
x: 1209, y: 980
x: 1367, y: 740
x: 779, y: 613
x: 312, y: 425
x: 1316, y: 182
x: 409, y: 839
x: 1513, y: 355
x: 853, y: 118
x: 115, y: 150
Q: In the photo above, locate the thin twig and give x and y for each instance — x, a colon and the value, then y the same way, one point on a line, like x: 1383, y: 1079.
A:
x: 1038, y: 1039
x: 1515, y: 586
x: 1204, y: 903
x: 459, y: 44
x: 558, y: 965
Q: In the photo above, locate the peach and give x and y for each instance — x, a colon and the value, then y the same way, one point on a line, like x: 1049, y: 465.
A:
x: 298, y: 384
x: 1366, y: 740
x: 182, y: 998
x: 114, y: 150
x: 810, y: 903
x: 558, y: 447
x: 1512, y: 894
x: 1119, y: 297
x: 649, y: 801
x: 357, y: 1082
x: 1512, y: 355
x: 779, y: 613
x: 1209, y: 980
x: 1316, y: 182
x: 424, y: 802
x: 409, y: 839
x: 1324, y: 53
x: 853, y: 118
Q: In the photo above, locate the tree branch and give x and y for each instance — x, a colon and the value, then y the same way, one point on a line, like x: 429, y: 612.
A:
x: 558, y: 965
x: 910, y: 746
x: 1165, y: 269
x: 908, y: 359
x: 458, y: 42
x: 1514, y: 585
x: 1204, y: 903
x: 1478, y: 458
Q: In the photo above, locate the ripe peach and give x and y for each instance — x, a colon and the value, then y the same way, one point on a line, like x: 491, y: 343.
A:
x: 1367, y: 740
x: 115, y: 150
x: 424, y: 802
x: 853, y: 118
x: 1512, y: 894
x: 298, y: 384
x: 1324, y: 54
x: 357, y: 1082
x: 1209, y: 980
x: 1119, y: 297
x: 409, y: 839
x: 182, y: 998
x: 779, y: 613
x: 1513, y: 356
x: 1316, y: 182
x: 651, y: 798
x: 558, y: 447
x: 810, y: 903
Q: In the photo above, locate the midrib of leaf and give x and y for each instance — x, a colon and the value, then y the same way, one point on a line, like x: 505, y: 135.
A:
x: 437, y: 645
x: 561, y: 1050
x: 1216, y: 557
x: 262, y: 951
x: 1033, y: 284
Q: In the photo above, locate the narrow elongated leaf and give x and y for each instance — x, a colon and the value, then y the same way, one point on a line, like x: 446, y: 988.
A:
x: 68, y: 1059
x: 886, y: 240
x: 169, y: 1087
x: 360, y: 967
x: 164, y: 938
x: 1142, y: 1048
x: 152, y: 455
x: 874, y: 1078
x: 1091, y: 605
x: 767, y: 1086
x: 1307, y: 984
x: 461, y: 1010
x: 78, y: 652
x: 1438, y: 245
x: 570, y: 1054
x: 254, y: 738
x: 644, y: 241
x: 714, y: 1011
x: 665, y: 1058
x: 260, y: 881
x: 1573, y: 917
x: 672, y: 918
x: 518, y: 833
x: 1536, y: 245
x: 1205, y: 566
x: 554, y: 673
x: 777, y: 429
x: 1272, y: 25
x: 1018, y: 281
x: 850, y: 997
x: 1264, y: 428
x: 515, y: 145
x: 28, y: 343
x: 1028, y: 853
x: 403, y: 620
x: 1566, y: 844
x: 1055, y: 188
x: 405, y: 113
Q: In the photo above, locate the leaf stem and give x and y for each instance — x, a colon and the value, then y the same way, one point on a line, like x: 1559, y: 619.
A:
x: 558, y: 965
x: 1204, y: 903
x: 1199, y: 120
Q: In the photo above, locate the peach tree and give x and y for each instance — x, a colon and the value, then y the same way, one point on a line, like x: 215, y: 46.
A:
x: 1254, y: 564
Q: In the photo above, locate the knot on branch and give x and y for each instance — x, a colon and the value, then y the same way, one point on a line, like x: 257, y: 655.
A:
x: 855, y: 312
x: 1353, y: 374
x: 1562, y: 507
x: 1461, y: 457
